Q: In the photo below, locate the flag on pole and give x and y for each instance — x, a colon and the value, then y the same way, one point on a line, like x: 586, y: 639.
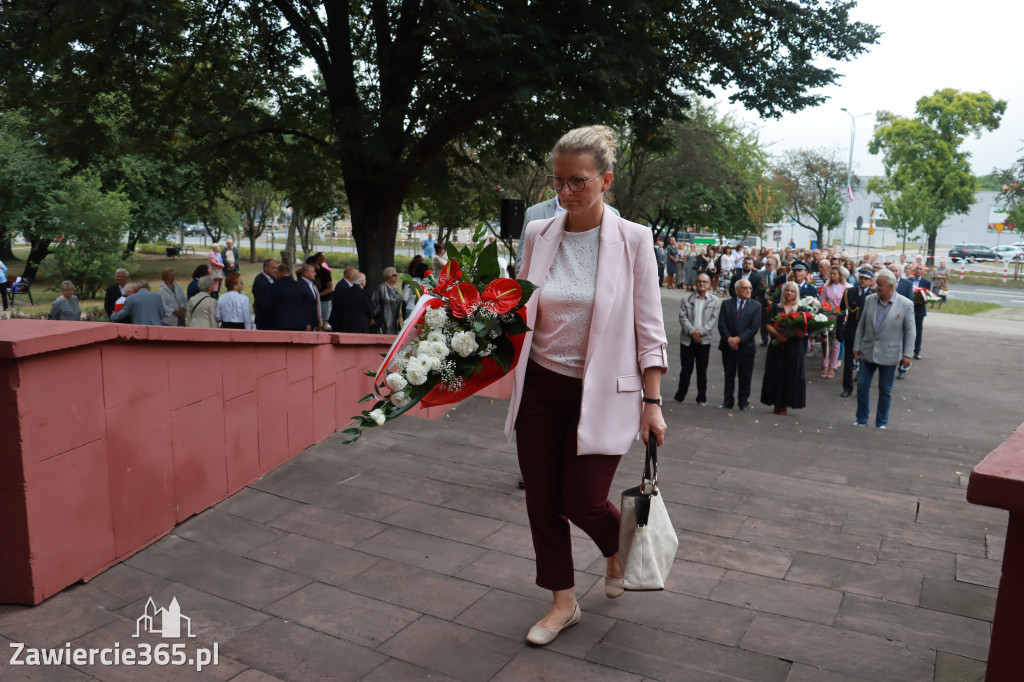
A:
x: 849, y: 193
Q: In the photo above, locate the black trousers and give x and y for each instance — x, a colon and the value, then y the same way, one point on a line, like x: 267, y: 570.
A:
x: 694, y: 354
x: 919, y: 323
x: 735, y: 363
x: 848, y: 365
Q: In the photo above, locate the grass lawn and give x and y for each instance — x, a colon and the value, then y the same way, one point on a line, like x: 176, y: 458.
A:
x: 958, y: 307
x: 148, y: 263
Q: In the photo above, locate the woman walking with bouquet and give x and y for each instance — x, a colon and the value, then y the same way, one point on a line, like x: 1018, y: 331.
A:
x: 592, y: 381
x: 783, y: 384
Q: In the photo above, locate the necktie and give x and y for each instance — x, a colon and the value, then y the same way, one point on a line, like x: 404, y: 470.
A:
x: 739, y: 310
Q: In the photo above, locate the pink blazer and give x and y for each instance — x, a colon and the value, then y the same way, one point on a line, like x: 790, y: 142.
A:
x: 627, y: 332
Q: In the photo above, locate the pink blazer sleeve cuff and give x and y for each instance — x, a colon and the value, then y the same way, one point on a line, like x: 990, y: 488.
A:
x: 656, y: 357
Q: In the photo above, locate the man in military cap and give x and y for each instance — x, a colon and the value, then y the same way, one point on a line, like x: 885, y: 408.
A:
x: 800, y: 275
x: 846, y: 329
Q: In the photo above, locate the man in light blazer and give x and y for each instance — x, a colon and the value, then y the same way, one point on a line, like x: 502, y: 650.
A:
x: 545, y: 210
x: 885, y: 339
x: 738, y: 325
x: 618, y: 353
x: 698, y: 316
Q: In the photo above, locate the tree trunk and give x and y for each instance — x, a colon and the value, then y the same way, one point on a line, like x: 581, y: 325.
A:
x: 931, y: 248
x: 375, y: 212
x: 6, y: 249
x: 288, y: 253
x: 39, y: 250
x: 133, y: 240
x: 252, y: 246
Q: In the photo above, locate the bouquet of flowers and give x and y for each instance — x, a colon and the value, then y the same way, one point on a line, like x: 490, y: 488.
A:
x: 923, y: 295
x: 811, y: 318
x: 465, y: 332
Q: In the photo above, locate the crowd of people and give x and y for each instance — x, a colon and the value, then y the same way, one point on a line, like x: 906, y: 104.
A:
x: 879, y: 328
x: 214, y: 297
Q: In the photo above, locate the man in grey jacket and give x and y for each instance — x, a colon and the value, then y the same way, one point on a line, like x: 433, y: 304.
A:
x: 885, y: 339
x: 142, y: 307
x: 698, y: 316
x: 542, y: 211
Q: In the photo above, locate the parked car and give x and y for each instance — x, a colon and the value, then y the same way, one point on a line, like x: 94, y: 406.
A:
x: 972, y: 253
x: 1010, y: 252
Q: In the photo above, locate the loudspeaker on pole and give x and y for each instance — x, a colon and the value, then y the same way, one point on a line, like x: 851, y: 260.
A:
x: 512, y: 213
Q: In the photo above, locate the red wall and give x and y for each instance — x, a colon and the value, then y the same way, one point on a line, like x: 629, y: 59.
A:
x: 112, y: 434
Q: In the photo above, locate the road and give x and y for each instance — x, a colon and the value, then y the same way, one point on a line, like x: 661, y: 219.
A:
x: 1011, y: 298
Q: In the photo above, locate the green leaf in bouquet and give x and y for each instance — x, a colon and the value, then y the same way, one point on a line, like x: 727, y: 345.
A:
x: 370, y: 373
x: 488, y: 268
x: 528, y: 288
x: 366, y: 398
x: 504, y: 353
x: 351, y: 431
x: 516, y: 327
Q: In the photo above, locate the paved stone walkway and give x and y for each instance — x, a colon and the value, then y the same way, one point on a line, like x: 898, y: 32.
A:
x: 809, y: 550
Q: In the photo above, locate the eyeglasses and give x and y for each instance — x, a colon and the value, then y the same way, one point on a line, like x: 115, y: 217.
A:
x: 576, y: 184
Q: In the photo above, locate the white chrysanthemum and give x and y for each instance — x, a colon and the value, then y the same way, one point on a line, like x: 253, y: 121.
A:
x: 436, y: 336
x: 434, y: 362
x: 424, y: 349
x: 400, y: 399
x: 436, y: 317
x: 464, y: 343
x: 396, y: 382
x: 378, y: 416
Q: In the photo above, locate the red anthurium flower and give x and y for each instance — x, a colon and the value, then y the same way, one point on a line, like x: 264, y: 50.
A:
x: 501, y: 295
x: 462, y: 299
x: 427, y: 273
x: 451, y: 274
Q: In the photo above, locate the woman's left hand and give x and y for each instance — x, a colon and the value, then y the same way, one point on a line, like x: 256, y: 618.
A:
x: 652, y: 422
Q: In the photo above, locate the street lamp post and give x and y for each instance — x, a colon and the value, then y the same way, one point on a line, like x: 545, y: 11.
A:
x: 849, y: 170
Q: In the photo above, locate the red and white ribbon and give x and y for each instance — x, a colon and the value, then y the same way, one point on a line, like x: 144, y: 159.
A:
x: 407, y: 333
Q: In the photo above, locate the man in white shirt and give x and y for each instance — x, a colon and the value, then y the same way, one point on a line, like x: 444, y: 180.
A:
x: 698, y: 316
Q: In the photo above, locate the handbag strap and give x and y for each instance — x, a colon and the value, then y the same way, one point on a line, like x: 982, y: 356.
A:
x: 650, y: 465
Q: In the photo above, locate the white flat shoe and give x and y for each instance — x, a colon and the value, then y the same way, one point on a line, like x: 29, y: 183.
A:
x: 614, y: 587
x: 541, y: 636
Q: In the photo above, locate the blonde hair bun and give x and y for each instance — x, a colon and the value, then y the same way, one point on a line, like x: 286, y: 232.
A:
x: 597, y: 140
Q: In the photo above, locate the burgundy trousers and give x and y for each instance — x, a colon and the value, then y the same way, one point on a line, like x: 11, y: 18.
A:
x: 561, y: 486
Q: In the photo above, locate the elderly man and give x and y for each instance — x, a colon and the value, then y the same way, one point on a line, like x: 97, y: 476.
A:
x: 288, y: 301
x: 311, y: 304
x: 174, y: 299
x: 353, y: 310
x: 698, y: 316
x: 141, y: 307
x: 885, y: 337
x: 229, y: 254
x: 918, y: 281
x: 851, y: 305
x: 738, y: 324
x: 115, y: 291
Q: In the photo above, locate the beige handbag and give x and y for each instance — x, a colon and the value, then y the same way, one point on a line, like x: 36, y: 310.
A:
x: 647, y: 540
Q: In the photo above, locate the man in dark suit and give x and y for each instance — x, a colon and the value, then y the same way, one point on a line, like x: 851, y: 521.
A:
x: 115, y: 291
x: 311, y: 302
x: 288, y: 310
x: 738, y: 325
x: 852, y: 304
x: 353, y: 309
x: 261, y: 293
x: 751, y: 275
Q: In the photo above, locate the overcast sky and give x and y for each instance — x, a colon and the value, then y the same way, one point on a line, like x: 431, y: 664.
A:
x: 925, y: 46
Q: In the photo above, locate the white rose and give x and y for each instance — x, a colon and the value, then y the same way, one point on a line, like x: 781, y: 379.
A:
x: 436, y: 336
x: 378, y: 416
x: 439, y: 349
x: 400, y: 399
x: 424, y: 348
x: 396, y: 382
x: 464, y: 343
x: 417, y: 370
x: 436, y: 317
x: 434, y: 362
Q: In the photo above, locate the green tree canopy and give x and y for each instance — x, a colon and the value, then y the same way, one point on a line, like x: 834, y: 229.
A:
x: 925, y: 152
x: 397, y: 82
x: 813, y: 182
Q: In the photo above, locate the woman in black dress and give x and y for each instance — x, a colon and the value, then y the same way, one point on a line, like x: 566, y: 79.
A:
x: 783, y: 384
